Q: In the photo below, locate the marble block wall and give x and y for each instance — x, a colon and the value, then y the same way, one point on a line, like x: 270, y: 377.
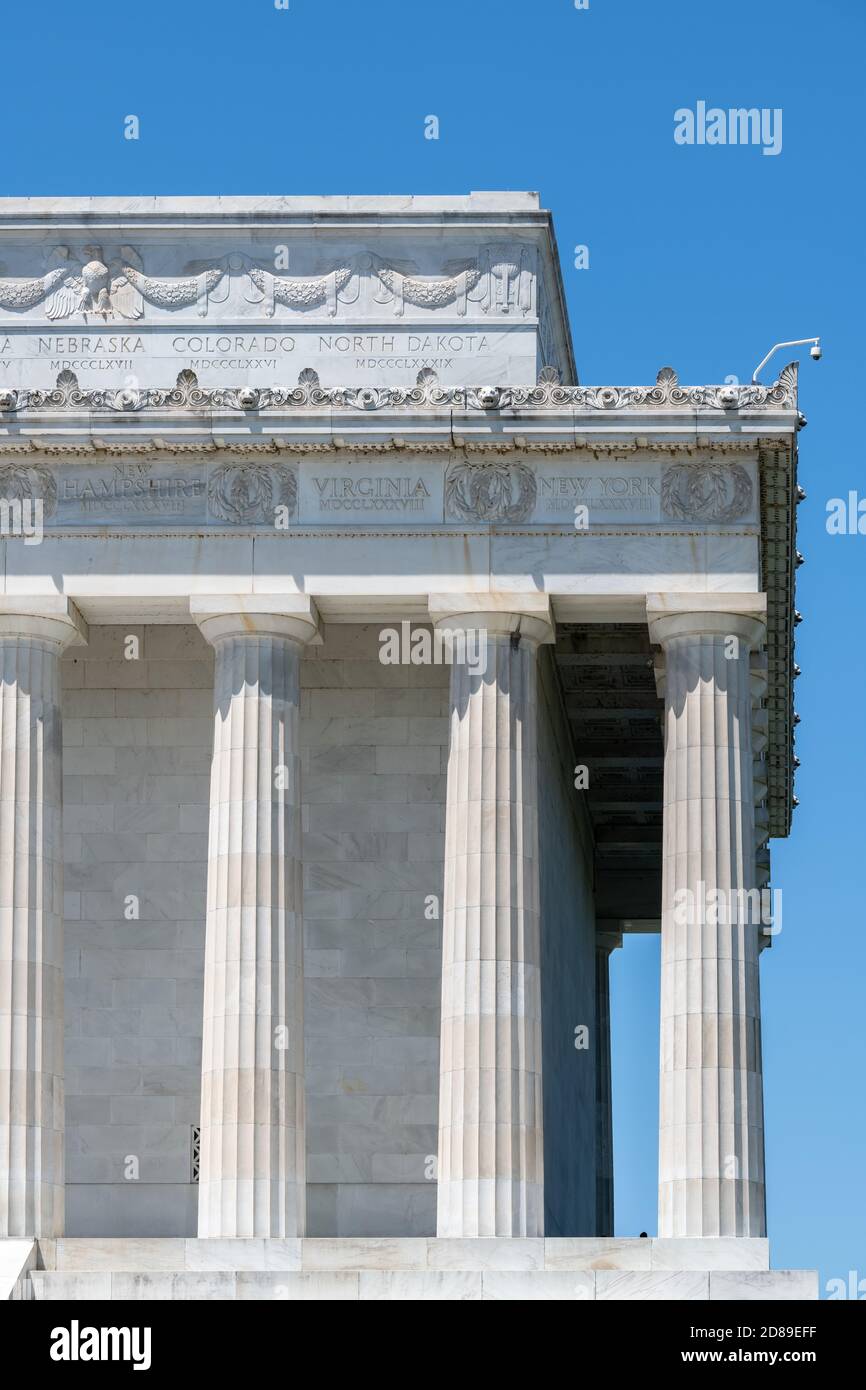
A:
x: 137, y: 739
x: 567, y: 972
x: 137, y: 745
x: 374, y: 740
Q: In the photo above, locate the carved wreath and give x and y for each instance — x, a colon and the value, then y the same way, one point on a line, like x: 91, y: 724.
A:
x: 20, y: 482
x: 706, y: 492
x: 251, y: 492
x: 490, y: 491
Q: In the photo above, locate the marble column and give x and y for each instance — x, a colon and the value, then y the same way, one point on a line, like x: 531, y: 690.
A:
x: 490, y: 1173
x: 711, y: 1151
x: 605, y: 942
x: 252, y: 1097
x: 33, y: 635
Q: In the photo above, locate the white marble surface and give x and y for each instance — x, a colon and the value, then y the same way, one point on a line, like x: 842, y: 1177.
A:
x: 491, y: 1159
x: 32, y: 1180
x: 17, y: 1258
x: 362, y: 291
x: 635, y: 1285
x: 137, y: 753
x: 597, y: 1252
x: 780, y: 1285
x: 717, y: 1253
x: 542, y: 1287
x: 411, y: 1269
x: 253, y: 1140
x: 711, y: 1144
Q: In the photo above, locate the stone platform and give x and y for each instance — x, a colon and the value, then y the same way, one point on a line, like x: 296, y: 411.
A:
x: 405, y: 1269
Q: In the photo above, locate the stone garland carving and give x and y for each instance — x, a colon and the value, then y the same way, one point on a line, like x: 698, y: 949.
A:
x: 706, y: 492
x: 429, y: 293
x: 546, y: 395
x: 251, y: 492
x: 107, y: 287
x: 501, y: 275
x: 303, y: 292
x: 490, y: 491
x: 110, y: 286
x: 19, y: 295
x: 177, y: 292
x: 20, y: 482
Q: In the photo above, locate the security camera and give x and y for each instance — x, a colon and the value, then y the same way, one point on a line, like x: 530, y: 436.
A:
x: 814, y: 353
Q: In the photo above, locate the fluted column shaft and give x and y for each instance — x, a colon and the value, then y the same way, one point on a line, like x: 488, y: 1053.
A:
x: 31, y: 920
x: 711, y: 1149
x: 490, y: 1174
x: 252, y: 1102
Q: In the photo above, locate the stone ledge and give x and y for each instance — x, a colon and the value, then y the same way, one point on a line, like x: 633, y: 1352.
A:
x: 422, y: 1285
x: 416, y: 1254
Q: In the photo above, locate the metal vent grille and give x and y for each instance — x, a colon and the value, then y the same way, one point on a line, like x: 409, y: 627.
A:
x: 194, y: 1153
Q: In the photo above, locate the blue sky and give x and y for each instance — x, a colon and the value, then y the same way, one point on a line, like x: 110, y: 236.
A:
x: 700, y: 257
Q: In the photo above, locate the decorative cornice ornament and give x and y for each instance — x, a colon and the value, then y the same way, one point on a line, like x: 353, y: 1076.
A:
x: 706, y: 492
x: 545, y: 395
x: 503, y: 492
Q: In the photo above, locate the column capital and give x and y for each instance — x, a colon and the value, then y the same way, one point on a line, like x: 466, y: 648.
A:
x: 498, y: 614
x: 293, y: 616
x: 49, y: 617
x: 707, y: 615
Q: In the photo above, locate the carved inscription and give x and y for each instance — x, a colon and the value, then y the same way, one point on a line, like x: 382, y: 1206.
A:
x: 101, y: 356
x: 130, y: 490
x: 632, y: 493
x: 390, y: 494
x: 364, y: 490
x: 413, y: 489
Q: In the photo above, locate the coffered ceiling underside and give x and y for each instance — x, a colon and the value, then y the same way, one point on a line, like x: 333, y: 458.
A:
x: 615, y: 716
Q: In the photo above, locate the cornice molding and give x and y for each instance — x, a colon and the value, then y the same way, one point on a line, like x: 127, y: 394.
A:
x: 272, y: 449
x: 547, y: 395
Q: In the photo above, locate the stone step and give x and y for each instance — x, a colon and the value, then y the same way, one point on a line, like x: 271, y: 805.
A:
x: 388, y: 1284
x: 411, y: 1254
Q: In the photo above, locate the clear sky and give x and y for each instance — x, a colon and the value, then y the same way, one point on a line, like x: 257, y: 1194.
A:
x: 699, y: 256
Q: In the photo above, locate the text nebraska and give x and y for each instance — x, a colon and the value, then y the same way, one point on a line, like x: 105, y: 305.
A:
x: 111, y: 344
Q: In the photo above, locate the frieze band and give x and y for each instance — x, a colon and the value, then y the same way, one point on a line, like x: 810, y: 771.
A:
x: 112, y: 284
x: 499, y: 492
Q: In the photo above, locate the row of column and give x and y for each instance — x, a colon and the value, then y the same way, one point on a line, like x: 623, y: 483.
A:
x: 490, y: 1167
